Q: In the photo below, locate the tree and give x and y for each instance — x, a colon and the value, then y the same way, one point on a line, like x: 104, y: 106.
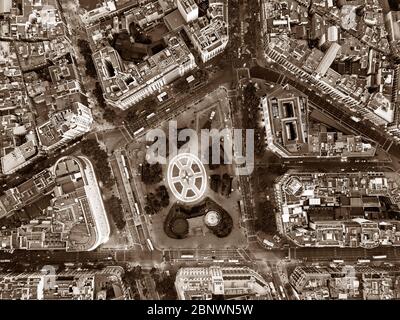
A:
x: 226, y: 184
x: 98, y: 93
x: 131, y: 116
x: 265, y: 217
x: 151, y: 173
x: 149, y: 210
x: 110, y: 115
x: 166, y: 286
x: 215, y: 182
x: 250, y: 117
x: 153, y: 271
x: 250, y: 37
x: 146, y: 106
x: 181, y: 85
x: 43, y: 73
x: 157, y: 201
x: 84, y: 49
x: 163, y: 195
x: 201, y: 75
x: 114, y: 208
x: 153, y: 202
x: 89, y: 147
x: 224, y: 227
x: 99, y: 158
x: 132, y: 275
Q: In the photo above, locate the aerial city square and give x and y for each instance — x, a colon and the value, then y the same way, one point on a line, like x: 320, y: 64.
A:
x: 199, y: 150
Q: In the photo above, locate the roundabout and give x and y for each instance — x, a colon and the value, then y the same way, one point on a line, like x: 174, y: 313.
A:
x: 187, y: 178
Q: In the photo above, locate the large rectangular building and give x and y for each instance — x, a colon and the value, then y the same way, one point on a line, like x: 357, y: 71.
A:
x: 327, y: 60
x: 286, y: 121
x: 209, y: 34
x: 65, y: 285
x: 340, y: 209
x: 361, y: 282
x: 204, y: 283
x: 126, y: 84
x: 65, y: 125
x: 188, y: 9
x: 72, y: 218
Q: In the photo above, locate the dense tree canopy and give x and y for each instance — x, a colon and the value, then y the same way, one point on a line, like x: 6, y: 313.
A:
x: 114, y: 208
x: 98, y: 93
x: 251, y: 117
x: 151, y: 173
x: 130, y: 277
x: 265, y: 217
x: 144, y: 107
x: 84, y: 49
x: 98, y: 156
x: 158, y: 200
x: 224, y: 227
x: 165, y: 285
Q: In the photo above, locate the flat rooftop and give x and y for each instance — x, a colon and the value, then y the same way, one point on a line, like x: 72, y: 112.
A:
x: 120, y: 80
x: 174, y: 20
x: 287, y: 114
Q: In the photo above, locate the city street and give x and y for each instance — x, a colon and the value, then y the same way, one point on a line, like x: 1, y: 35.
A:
x: 219, y: 87
x: 365, y: 129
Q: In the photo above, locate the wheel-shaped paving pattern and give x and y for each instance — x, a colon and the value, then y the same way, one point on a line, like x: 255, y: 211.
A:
x: 187, y: 177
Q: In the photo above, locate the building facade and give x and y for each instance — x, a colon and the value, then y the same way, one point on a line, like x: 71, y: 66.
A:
x: 204, y: 283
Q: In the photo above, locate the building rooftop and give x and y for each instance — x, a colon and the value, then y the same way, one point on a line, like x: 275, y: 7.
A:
x: 202, y: 283
x: 13, y: 160
x: 63, y: 124
x: 76, y: 219
x: 174, y: 20
x: 36, y: 19
x: 286, y: 120
x: 65, y: 285
x: 121, y: 81
x: 290, y: 131
x: 334, y: 282
x: 320, y: 209
x: 393, y: 20
x: 188, y: 5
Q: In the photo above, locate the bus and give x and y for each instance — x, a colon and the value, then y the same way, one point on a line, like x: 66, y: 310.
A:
x: 241, y: 206
x: 138, y: 131
x: 233, y: 261
x: 268, y: 243
x: 363, y: 261
x: 271, y: 285
x: 282, y: 291
x: 151, y: 115
x: 123, y: 160
x: 150, y: 245
x: 338, y: 261
x: 137, y: 209
x: 126, y: 173
x: 187, y: 256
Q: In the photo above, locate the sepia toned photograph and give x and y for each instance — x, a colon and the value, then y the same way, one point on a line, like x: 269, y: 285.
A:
x: 234, y: 153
